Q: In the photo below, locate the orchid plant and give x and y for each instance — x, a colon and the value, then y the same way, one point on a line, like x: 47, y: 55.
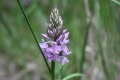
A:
x: 54, y: 44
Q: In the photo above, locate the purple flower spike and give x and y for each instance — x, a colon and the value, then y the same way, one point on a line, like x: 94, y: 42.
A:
x: 54, y: 44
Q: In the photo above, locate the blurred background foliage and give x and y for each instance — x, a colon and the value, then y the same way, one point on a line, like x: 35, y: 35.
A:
x: 94, y: 27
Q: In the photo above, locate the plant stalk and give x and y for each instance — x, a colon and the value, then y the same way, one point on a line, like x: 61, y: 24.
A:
x: 83, y: 50
x: 53, y: 70
x: 102, y: 57
x: 33, y: 34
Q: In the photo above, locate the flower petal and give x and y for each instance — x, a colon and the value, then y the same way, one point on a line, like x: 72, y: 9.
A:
x: 43, y: 45
x: 60, y: 38
x: 54, y: 31
x: 45, y: 36
x: 64, y: 60
x: 59, y: 29
x: 65, y: 51
x: 50, y: 33
x: 64, y: 31
x: 66, y: 35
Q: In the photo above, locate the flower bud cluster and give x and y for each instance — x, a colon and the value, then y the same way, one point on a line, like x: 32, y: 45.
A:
x: 55, y: 18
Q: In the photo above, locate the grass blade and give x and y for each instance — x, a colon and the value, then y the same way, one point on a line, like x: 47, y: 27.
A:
x: 72, y: 75
x: 83, y: 50
x: 33, y: 34
x: 116, y: 1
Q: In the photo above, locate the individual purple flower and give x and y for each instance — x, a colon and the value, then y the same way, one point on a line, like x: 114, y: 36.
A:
x: 54, y: 44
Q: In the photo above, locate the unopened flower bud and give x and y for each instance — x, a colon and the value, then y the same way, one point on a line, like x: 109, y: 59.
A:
x: 55, y: 18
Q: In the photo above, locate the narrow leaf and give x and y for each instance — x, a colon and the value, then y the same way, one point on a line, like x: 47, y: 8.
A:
x: 116, y: 1
x: 72, y: 75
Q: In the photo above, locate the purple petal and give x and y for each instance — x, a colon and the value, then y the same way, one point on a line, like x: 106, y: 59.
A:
x: 59, y: 27
x: 65, y: 51
x: 56, y: 57
x: 64, y: 42
x: 50, y: 59
x: 54, y: 31
x: 56, y: 47
x: 66, y: 35
x: 64, y: 31
x: 43, y: 45
x: 50, y: 33
x: 60, y: 38
x: 45, y: 53
x: 48, y: 54
x: 59, y: 48
x: 53, y: 49
x: 54, y: 43
x: 64, y: 60
x: 59, y: 30
x: 45, y: 36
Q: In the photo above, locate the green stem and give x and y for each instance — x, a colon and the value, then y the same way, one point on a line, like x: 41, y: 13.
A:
x: 102, y: 56
x: 5, y: 25
x: 83, y: 50
x: 53, y: 70
x: 33, y: 34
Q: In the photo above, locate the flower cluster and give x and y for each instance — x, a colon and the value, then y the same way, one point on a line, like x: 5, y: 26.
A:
x: 54, y: 44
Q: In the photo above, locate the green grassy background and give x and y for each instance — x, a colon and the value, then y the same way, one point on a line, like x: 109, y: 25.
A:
x: 94, y: 27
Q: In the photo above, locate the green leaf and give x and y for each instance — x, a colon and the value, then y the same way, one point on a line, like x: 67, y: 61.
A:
x: 116, y: 1
x: 72, y: 75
